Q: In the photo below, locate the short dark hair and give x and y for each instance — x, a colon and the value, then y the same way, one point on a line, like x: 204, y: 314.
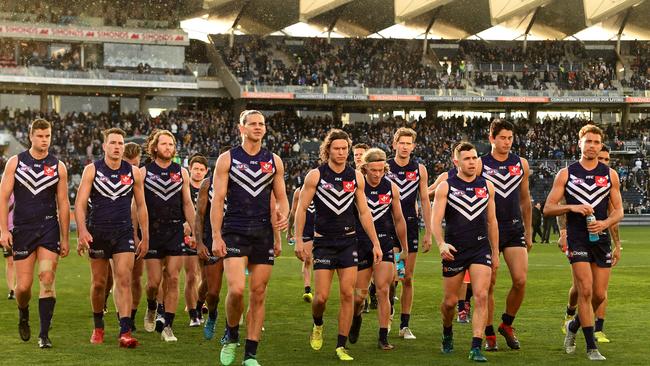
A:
x: 463, y: 146
x: 605, y: 148
x: 361, y: 146
x: 200, y: 159
x: 39, y: 124
x: 500, y: 124
x: 113, y: 131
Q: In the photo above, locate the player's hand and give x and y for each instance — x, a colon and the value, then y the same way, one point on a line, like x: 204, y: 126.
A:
x: 277, y: 248
x: 426, y: 245
x: 6, y: 240
x: 616, y: 255
x: 377, y: 253
x: 202, y: 251
x: 142, y: 248
x: 218, y: 247
x: 597, y: 226
x: 281, y: 222
x: 584, y: 210
x: 192, y: 243
x: 83, y: 242
x: 299, y: 250
x: 65, y: 248
x: 562, y: 242
x: 495, y: 262
x: 446, y: 252
x: 529, y: 242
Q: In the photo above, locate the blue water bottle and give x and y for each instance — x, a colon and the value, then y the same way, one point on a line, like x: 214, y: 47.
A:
x: 593, y: 237
x: 401, y: 270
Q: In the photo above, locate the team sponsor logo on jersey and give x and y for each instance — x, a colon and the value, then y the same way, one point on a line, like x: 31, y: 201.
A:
x: 48, y: 170
x: 348, y: 186
x: 480, y: 192
x: 322, y: 261
x: 458, y: 193
x: 266, y: 166
x: 233, y: 250
x: 24, y: 168
x: 601, y: 181
x: 577, y: 181
x: 126, y: 179
x: 489, y: 171
x: 576, y: 253
x: 452, y: 269
x: 384, y: 199
x: 514, y: 169
x: 327, y: 186
x: 103, y: 179
x: 175, y: 177
x: 411, y: 176
x: 242, y: 167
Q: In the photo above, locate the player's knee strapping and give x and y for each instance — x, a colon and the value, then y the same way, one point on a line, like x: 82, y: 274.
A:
x: 361, y: 293
x: 46, y: 269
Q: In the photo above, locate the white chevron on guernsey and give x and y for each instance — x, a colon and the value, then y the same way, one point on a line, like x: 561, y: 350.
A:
x: 377, y: 209
x: 311, y: 208
x: 579, y: 191
x: 406, y: 187
x: 506, y: 185
x: 252, y: 192
x: 337, y: 204
x: 165, y: 193
x: 109, y: 189
x: 248, y: 170
x: 35, y: 182
x: 466, y: 205
x: 252, y: 182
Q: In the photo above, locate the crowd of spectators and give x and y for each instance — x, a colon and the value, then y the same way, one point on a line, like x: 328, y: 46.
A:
x: 640, y: 78
x: 548, y: 143
x: 390, y: 63
x: 372, y: 63
x: 114, y: 13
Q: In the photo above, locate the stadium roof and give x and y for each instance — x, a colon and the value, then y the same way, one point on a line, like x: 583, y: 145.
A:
x: 441, y: 19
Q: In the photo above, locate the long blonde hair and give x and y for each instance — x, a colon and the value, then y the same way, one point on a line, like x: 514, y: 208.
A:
x: 372, y: 156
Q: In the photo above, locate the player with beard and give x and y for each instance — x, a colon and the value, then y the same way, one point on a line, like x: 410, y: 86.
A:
x: 592, y: 194
x: 169, y: 203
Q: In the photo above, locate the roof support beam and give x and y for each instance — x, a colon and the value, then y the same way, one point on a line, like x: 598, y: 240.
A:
x: 530, y: 26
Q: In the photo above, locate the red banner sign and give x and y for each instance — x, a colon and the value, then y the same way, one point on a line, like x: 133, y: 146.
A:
x: 97, y: 34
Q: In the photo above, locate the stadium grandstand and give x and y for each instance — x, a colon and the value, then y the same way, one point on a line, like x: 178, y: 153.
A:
x: 190, y: 66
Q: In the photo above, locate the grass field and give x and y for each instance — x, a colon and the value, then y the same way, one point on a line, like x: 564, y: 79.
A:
x: 288, y: 320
